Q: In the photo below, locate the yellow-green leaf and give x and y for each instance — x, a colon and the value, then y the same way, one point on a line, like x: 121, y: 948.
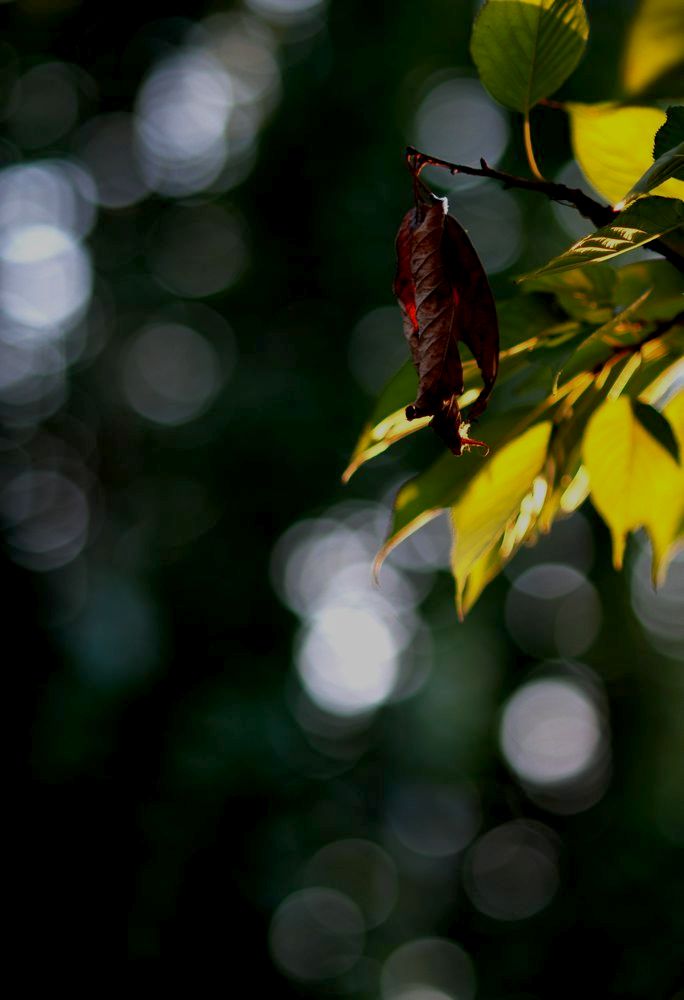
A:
x: 442, y: 484
x: 613, y: 146
x: 642, y: 221
x: 634, y: 482
x: 525, y: 50
x: 387, y: 422
x: 491, y: 499
x: 655, y: 43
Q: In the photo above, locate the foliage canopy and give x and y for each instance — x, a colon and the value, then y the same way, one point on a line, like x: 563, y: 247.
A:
x: 587, y: 401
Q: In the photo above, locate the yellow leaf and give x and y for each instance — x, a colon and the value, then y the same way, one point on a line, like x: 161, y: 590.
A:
x: 635, y: 482
x: 655, y: 43
x: 614, y: 147
x: 492, y: 499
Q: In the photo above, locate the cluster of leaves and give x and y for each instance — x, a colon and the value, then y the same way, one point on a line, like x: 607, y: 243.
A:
x: 589, y: 352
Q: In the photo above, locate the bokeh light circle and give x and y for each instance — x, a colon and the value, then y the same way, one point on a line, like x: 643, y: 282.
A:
x: 170, y: 373
x: 551, y: 731
x: 512, y: 871
x: 553, y: 610
x: 316, y: 934
x: 348, y: 659
x: 428, y: 966
x: 458, y: 121
x: 362, y: 871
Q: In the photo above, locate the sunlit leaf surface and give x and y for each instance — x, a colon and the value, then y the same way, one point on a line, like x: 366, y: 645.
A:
x: 635, y: 482
x: 524, y: 51
x: 654, y: 45
x: 491, y: 499
x: 613, y: 146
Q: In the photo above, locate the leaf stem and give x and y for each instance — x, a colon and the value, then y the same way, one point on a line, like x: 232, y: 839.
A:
x: 588, y: 207
x: 529, y: 148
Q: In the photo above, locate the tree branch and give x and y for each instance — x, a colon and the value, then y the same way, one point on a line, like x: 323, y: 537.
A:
x: 597, y: 213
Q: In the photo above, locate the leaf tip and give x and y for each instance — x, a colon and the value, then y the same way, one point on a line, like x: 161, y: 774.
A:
x: 348, y: 472
x: 618, y: 551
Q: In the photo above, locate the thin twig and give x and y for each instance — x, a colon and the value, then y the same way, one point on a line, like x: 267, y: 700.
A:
x: 595, y: 211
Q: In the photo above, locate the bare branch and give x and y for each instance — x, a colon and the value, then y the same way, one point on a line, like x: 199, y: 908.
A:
x: 597, y: 213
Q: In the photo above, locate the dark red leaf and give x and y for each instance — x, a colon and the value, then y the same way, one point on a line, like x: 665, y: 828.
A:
x: 404, y: 288
x: 479, y: 323
x: 445, y: 298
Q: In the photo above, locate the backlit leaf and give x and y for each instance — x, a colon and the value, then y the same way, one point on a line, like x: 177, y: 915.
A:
x: 524, y: 51
x: 642, y: 221
x: 635, y: 482
x: 654, y: 45
x: 613, y: 145
x: 491, y: 499
x: 560, y: 488
x: 442, y: 484
x: 522, y: 399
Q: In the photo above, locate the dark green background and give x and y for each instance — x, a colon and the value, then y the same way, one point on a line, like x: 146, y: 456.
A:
x: 169, y: 814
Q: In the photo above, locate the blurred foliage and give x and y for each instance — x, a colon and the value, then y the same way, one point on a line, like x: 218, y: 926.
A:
x: 239, y: 750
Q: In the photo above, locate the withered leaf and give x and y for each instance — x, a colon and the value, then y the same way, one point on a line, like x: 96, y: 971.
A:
x: 445, y: 298
x: 404, y: 289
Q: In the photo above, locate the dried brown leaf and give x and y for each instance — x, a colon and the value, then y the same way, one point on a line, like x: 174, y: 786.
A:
x: 445, y: 298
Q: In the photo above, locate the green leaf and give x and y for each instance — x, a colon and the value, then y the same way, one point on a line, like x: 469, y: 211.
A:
x: 635, y: 482
x: 670, y: 134
x: 625, y: 330
x: 525, y: 49
x: 654, y: 45
x: 387, y: 422
x: 523, y: 320
x: 666, y: 287
x: 491, y: 500
x: 642, y: 221
x: 612, y: 145
x: 670, y: 164
x: 585, y: 293
x: 657, y: 426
